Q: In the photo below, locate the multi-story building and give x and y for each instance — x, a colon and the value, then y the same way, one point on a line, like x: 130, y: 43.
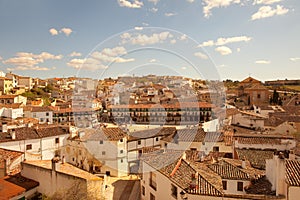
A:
x: 43, y: 114
x: 176, y: 113
x: 6, y: 85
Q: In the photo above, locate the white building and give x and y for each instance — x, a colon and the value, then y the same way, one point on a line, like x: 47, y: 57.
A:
x: 101, y: 150
x: 37, y: 143
x: 43, y: 114
x: 11, y: 111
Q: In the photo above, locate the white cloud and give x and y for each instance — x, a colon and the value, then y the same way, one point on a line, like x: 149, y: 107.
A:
x: 75, y: 54
x: 266, y: 1
x: 223, y: 41
x: 154, y: 10
x: 190, y: 1
x: 201, y: 55
x: 173, y: 41
x: 183, y: 68
x: 268, y: 11
x: 22, y: 68
x: 223, y: 50
x: 142, y: 39
x: 170, y: 14
x: 265, y: 62
x: 129, y: 4
x: 183, y: 37
x: 207, y: 43
x: 154, y: 1
x: 238, y: 50
x: 295, y: 59
x: 66, y: 31
x: 53, y: 31
x: 30, y: 61
x: 1, y: 58
x: 145, y: 24
x: 138, y: 28
x: 210, y: 4
x: 86, y: 63
x: 152, y: 60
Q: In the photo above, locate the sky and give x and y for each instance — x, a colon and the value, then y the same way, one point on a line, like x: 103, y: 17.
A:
x: 207, y: 39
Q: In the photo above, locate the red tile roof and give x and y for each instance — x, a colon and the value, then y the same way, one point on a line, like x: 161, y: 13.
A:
x: 9, y: 190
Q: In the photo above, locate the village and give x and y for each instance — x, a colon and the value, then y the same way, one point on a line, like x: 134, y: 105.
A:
x: 149, y: 137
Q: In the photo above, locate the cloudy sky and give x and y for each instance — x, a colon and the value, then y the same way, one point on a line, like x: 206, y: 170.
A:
x: 109, y: 38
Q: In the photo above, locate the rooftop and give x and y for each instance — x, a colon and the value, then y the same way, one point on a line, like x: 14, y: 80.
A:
x: 9, y: 190
x: 64, y: 168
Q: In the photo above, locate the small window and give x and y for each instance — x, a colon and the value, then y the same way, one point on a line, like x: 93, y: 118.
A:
x: 240, y: 186
x: 215, y: 149
x: 156, y: 139
x: 101, y: 141
x: 121, y: 160
x: 28, y: 146
x: 139, y: 142
x: 224, y: 183
x: 174, y: 191
x: 258, y: 96
x: 121, y: 140
x: 103, y: 153
x: 152, y: 197
x: 121, y: 151
x: 143, y: 190
x: 47, y: 114
x: 56, y: 140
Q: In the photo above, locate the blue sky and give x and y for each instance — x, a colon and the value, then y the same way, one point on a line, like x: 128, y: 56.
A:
x: 107, y: 38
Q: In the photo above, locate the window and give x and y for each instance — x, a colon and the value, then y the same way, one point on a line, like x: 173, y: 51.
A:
x: 224, y: 183
x: 139, y: 142
x: 174, y: 191
x: 143, y: 191
x: 28, y: 146
x: 103, y: 153
x: 215, y: 149
x: 152, y: 181
x: 152, y: 197
x: 47, y: 114
x: 56, y: 140
x: 121, y: 160
x: 156, y: 139
x: 240, y: 186
x: 121, y: 151
x: 258, y: 96
x: 101, y: 141
x: 193, y: 149
x: 121, y: 140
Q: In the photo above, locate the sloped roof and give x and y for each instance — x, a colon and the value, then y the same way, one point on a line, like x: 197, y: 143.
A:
x: 292, y: 172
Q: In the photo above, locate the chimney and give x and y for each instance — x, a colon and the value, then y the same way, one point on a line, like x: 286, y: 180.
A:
x: 244, y: 164
x: 292, y: 155
x: 13, y: 134
x: 55, y: 163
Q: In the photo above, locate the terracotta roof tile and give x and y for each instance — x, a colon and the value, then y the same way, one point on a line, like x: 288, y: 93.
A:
x: 292, y: 172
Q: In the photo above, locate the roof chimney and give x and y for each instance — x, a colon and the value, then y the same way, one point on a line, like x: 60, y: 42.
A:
x: 13, y: 134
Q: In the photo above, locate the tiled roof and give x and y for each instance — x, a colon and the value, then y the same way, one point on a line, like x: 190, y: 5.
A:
x: 65, y: 168
x: 194, y: 135
x: 257, y: 158
x: 111, y: 133
x: 21, y: 181
x: 148, y: 133
x: 260, y: 186
x: 292, y: 172
x: 7, y: 96
x: 181, y: 173
x: 260, y: 139
x: 232, y: 169
x: 12, y: 105
x: 9, y: 190
x: 6, y: 154
x: 26, y: 133
x: 37, y: 108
